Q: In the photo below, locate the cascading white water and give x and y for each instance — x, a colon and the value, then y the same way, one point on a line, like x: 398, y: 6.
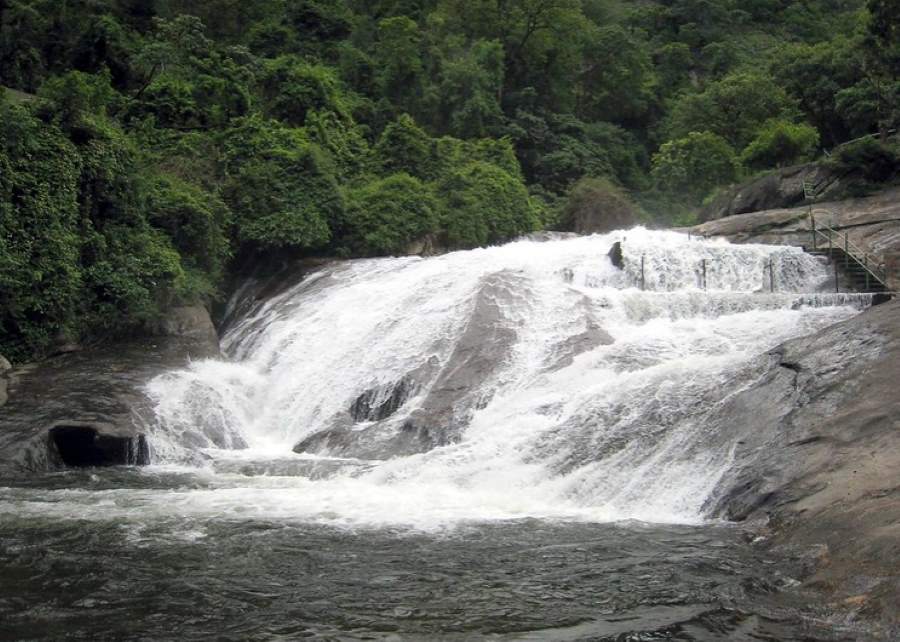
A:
x: 532, y: 379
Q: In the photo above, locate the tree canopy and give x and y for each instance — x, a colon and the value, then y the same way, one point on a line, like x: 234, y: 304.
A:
x: 146, y: 143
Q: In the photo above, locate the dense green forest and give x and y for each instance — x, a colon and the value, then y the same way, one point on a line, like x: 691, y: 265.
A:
x: 151, y: 145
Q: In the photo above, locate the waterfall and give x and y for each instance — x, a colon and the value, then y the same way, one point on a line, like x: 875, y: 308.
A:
x: 532, y: 379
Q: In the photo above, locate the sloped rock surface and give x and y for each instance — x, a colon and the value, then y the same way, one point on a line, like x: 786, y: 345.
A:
x: 84, y: 408
x: 818, y: 458
x: 450, y: 392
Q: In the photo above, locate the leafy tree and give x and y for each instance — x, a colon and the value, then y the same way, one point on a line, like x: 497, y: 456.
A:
x: 40, y: 276
x: 882, y: 44
x: 618, y: 82
x: 469, y: 90
x: 174, y: 46
x: 105, y: 44
x: 293, y: 87
x: 386, y: 215
x: 196, y: 221
x: 779, y: 143
x: 692, y: 166
x: 556, y: 151
x: 77, y: 99
x: 134, y: 273
x: 22, y: 30
x: 542, y: 41
x: 275, y: 210
x: 734, y: 108
x: 399, y: 62
x: 816, y: 75
x: 483, y: 204
x: 597, y: 205
x: 405, y: 147
x: 673, y: 62
x: 342, y: 139
x: 317, y: 24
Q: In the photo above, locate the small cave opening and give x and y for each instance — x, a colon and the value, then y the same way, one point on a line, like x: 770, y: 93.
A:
x: 85, y: 446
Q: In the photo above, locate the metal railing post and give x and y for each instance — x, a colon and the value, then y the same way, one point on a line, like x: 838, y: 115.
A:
x: 703, y: 262
x: 643, y: 281
x: 771, y: 275
x: 812, y: 222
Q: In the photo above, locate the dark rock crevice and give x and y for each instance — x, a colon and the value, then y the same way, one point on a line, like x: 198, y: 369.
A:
x: 83, y: 446
x: 795, y: 367
x: 379, y: 403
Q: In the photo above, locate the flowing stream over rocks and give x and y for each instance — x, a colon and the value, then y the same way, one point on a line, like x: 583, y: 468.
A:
x: 514, y: 442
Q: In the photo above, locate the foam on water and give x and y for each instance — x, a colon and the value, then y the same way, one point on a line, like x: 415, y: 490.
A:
x: 611, y: 430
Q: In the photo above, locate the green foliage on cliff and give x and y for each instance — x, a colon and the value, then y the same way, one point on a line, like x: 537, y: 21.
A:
x: 781, y: 143
x: 694, y: 165
x: 168, y: 136
x: 386, y: 215
x: 483, y: 203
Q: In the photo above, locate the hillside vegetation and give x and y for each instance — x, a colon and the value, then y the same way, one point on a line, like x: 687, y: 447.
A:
x: 171, y: 137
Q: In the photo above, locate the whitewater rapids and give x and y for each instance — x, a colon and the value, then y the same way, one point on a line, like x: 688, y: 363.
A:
x: 585, y: 399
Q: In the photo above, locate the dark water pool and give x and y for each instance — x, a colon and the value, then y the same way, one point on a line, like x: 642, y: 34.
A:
x: 64, y: 577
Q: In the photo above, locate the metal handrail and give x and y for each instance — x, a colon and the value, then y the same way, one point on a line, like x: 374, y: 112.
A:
x: 877, y: 270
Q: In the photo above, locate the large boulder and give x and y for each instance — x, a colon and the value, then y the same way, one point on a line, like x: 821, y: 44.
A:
x: 188, y: 321
x: 777, y: 190
x: 818, y: 458
x: 88, y: 408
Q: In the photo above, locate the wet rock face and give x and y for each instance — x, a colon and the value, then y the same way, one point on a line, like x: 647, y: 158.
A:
x: 377, y: 404
x: 192, y: 321
x: 445, y: 394
x: 818, y: 455
x: 783, y: 188
x: 87, y: 408
x: 5, y: 367
x: 615, y: 255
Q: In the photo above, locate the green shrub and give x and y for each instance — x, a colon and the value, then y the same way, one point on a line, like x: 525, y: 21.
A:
x: 286, y: 199
x: 293, y: 88
x: 196, y: 221
x: 40, y: 275
x: 597, y: 205
x: 692, y: 166
x: 875, y: 160
x: 481, y: 204
x: 405, y: 147
x: 386, y: 215
x: 281, y: 187
x: 137, y: 273
x: 779, y: 143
